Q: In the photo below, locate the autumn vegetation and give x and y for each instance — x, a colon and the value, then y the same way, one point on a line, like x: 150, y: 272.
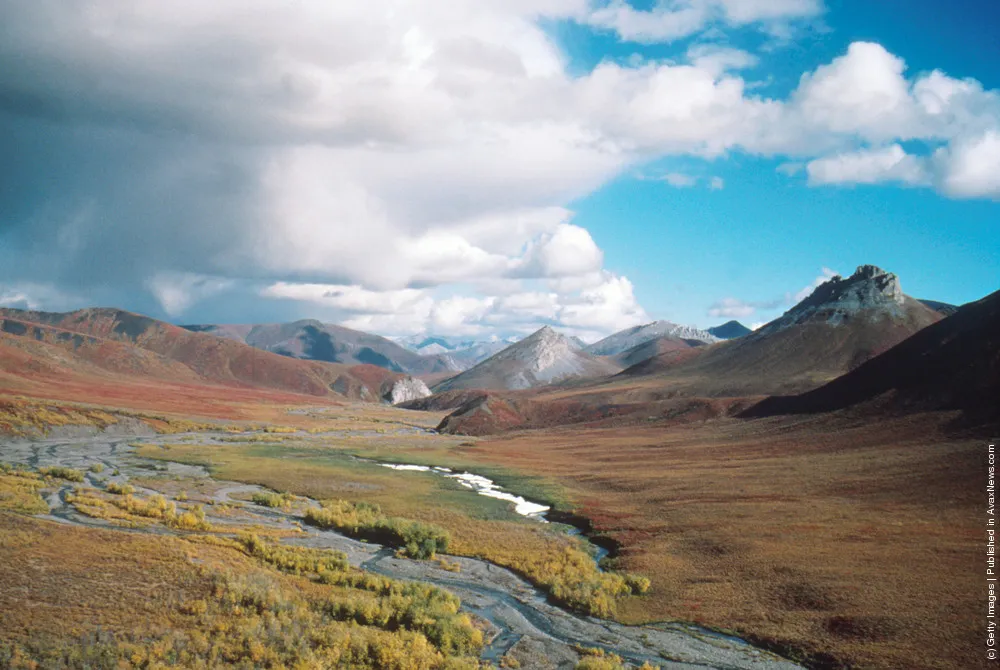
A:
x: 366, y: 521
x: 244, y: 603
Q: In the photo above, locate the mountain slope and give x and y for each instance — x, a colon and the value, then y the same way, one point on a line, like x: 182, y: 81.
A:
x: 651, y: 348
x: 729, y: 330
x: 133, y: 345
x: 947, y: 309
x: 841, y: 325
x: 953, y: 364
x: 312, y: 340
x: 629, y: 338
x: 543, y: 358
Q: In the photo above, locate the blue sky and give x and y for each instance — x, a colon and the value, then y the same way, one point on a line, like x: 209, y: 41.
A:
x: 763, y: 234
x: 491, y: 166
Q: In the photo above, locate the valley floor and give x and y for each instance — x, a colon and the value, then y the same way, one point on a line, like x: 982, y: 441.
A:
x: 162, y: 534
x: 844, y: 540
x: 838, y: 541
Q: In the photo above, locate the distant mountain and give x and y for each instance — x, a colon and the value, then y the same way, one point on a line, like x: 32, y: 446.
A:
x: 311, y: 340
x: 842, y: 324
x: 545, y: 357
x: 112, y: 342
x: 944, y: 308
x: 730, y: 330
x: 632, y: 337
x: 464, y: 352
x: 953, y: 364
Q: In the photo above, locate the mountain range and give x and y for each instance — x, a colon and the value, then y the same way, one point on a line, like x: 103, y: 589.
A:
x: 544, y: 357
x: 827, y: 341
x: 465, y: 352
x: 311, y: 340
x: 842, y: 324
x: 111, y: 351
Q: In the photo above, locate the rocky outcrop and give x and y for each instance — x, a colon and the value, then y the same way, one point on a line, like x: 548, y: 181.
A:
x: 837, y: 300
x: 407, y: 389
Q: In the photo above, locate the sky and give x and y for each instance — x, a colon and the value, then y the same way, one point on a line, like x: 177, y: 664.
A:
x: 486, y: 167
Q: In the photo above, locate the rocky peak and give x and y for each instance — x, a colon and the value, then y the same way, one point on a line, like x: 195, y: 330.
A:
x: 870, y: 288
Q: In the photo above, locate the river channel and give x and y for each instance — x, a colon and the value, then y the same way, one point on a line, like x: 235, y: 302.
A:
x: 519, y: 614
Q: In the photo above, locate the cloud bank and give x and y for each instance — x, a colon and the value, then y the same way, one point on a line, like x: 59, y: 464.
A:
x: 405, y: 167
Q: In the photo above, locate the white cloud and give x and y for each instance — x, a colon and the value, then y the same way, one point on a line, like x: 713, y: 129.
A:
x: 605, y: 308
x: 716, y: 183
x: 970, y: 168
x: 731, y: 308
x: 862, y: 92
x: 411, y: 146
x: 176, y: 291
x: 670, y: 20
x: 868, y: 166
x: 734, y: 308
x: 34, y: 296
x: 602, y: 304
x: 567, y: 251
x: 680, y: 180
x: 718, y: 59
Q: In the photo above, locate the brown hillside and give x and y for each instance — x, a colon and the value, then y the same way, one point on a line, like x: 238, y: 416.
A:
x: 951, y: 365
x: 131, y: 344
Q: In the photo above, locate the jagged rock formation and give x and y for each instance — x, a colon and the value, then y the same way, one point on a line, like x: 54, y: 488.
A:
x: 839, y: 299
x: 842, y: 324
x: 632, y: 337
x: 545, y: 357
x: 407, y: 389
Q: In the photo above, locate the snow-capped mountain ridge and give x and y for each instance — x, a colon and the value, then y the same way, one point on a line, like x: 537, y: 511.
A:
x: 633, y: 337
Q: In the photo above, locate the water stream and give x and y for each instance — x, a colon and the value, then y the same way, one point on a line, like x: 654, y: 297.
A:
x: 518, y: 613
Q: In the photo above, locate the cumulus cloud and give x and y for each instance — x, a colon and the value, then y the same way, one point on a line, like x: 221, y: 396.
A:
x: 603, y: 303
x: 731, y: 308
x: 680, y: 180
x: 970, y: 168
x: 190, y: 150
x: 869, y: 166
x: 670, y: 20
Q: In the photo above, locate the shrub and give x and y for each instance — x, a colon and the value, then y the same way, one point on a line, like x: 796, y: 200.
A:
x: 268, y: 499
x: 19, y: 492
x: 69, y: 474
x: 366, y: 521
x: 119, y: 489
x: 97, y: 468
